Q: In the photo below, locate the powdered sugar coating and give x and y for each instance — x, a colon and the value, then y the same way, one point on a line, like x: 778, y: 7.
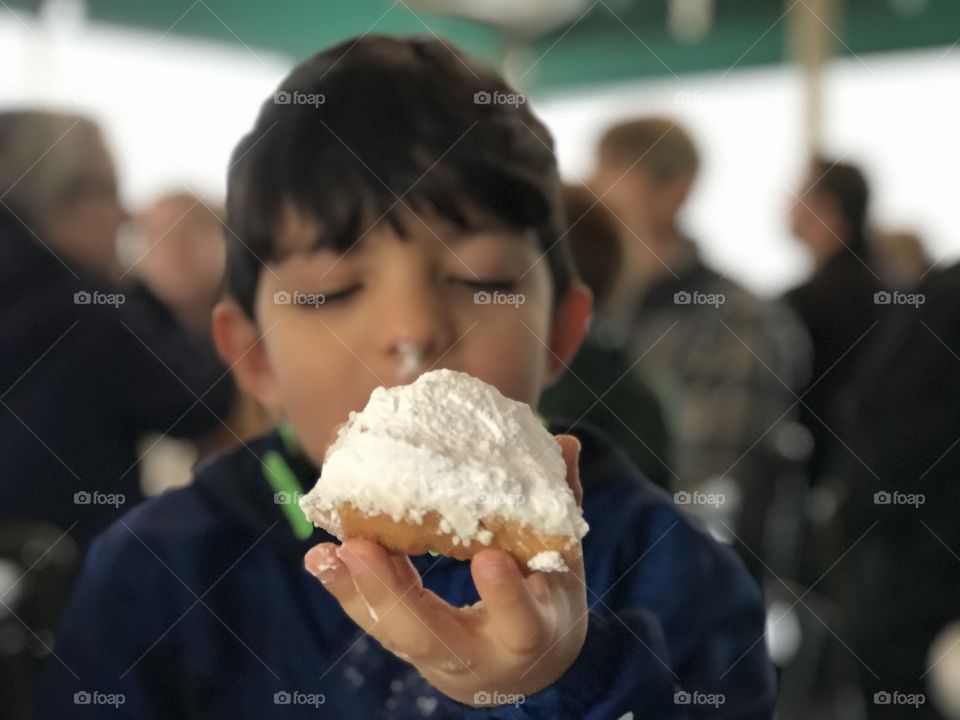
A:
x: 452, y: 444
x: 547, y: 561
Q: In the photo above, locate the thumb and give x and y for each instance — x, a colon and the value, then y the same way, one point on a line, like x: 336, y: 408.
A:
x: 570, y: 449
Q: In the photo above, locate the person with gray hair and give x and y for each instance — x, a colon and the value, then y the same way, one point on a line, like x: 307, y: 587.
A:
x: 57, y: 180
x: 88, y: 364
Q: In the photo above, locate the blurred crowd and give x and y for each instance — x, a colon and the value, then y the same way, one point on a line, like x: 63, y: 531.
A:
x: 815, y: 432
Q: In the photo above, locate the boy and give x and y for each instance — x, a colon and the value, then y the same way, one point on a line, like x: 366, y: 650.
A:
x: 384, y: 185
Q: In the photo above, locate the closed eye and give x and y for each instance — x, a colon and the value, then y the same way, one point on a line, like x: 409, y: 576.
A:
x: 338, y: 295
x: 487, y: 283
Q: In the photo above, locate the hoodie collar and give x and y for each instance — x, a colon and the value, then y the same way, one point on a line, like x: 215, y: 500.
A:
x: 257, y: 485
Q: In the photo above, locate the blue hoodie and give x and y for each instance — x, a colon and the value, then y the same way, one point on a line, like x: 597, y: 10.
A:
x: 196, y: 604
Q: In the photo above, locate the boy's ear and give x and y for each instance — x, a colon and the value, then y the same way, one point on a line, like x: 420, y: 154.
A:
x: 570, y: 320
x: 240, y: 347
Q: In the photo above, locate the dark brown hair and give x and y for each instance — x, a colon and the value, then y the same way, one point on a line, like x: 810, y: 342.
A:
x: 377, y: 118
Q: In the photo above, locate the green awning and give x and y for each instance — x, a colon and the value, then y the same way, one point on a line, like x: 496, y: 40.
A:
x: 600, y: 47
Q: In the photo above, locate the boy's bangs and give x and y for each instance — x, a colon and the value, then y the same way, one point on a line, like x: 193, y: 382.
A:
x: 396, y: 126
x: 349, y: 202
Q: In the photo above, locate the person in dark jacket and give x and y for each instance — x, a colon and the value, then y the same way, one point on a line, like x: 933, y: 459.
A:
x: 902, y: 428
x: 376, y: 234
x: 838, y: 303
x: 89, y: 365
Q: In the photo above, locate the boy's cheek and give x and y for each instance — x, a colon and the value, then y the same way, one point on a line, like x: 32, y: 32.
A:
x: 313, y: 392
x: 512, y: 362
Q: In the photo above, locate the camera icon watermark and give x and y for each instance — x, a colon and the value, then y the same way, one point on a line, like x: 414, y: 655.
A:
x: 286, y: 97
x: 296, y: 297
x: 497, y: 97
x: 95, y: 697
x: 83, y: 497
x: 699, y: 498
x: 883, y: 497
x: 295, y: 697
x: 684, y: 297
x: 286, y: 498
x: 495, y: 698
x: 85, y: 297
x: 500, y: 499
x: 884, y: 297
x: 689, y: 97
x: 896, y: 697
x: 485, y: 297
x: 683, y: 697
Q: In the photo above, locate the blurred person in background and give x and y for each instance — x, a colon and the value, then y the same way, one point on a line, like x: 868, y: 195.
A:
x: 838, y: 303
x: 181, y: 259
x: 725, y: 362
x: 601, y: 388
x: 901, y: 259
x: 902, y: 573
x: 88, y: 366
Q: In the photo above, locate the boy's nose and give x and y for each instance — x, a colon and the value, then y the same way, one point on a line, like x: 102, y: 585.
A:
x: 417, y: 333
x: 411, y: 360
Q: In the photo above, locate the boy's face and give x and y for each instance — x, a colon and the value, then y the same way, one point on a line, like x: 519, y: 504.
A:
x: 393, y: 308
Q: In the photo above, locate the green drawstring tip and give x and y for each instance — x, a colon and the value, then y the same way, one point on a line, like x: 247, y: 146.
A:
x: 433, y: 554
x: 287, y: 492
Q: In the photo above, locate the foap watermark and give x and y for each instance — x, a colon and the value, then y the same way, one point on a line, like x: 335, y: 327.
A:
x: 295, y: 697
x: 485, y: 297
x: 896, y: 697
x: 500, y: 499
x: 684, y: 297
x: 84, y: 297
x: 285, y: 97
x: 882, y: 497
x: 682, y: 697
x: 84, y: 497
x: 497, y: 698
x: 485, y: 97
x: 689, y: 97
x: 95, y: 697
x: 286, y: 498
x: 299, y: 298
x: 884, y: 297
x: 699, y: 498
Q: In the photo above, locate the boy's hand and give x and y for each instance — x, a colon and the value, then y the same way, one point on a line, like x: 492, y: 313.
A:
x: 519, y: 639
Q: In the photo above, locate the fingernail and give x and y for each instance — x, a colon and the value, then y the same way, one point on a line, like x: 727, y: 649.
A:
x: 323, y: 563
